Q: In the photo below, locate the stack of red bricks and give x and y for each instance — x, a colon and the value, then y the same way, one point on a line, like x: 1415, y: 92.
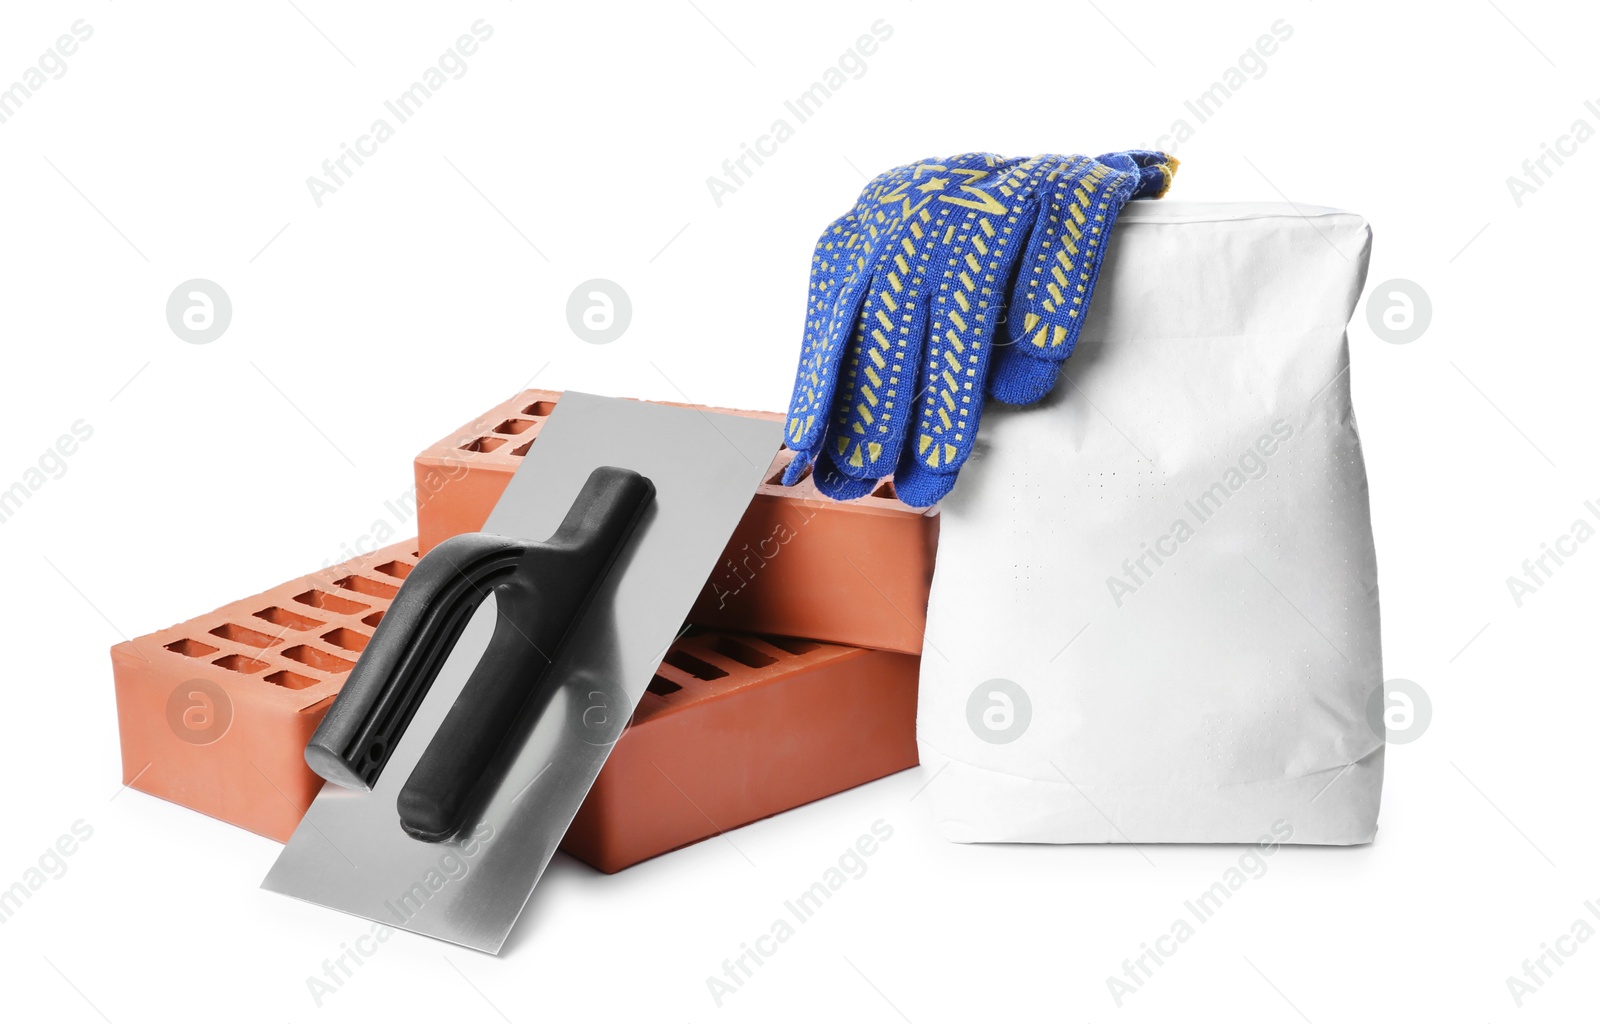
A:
x: 796, y: 681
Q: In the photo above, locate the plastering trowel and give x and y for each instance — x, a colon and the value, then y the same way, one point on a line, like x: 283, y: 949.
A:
x: 480, y: 713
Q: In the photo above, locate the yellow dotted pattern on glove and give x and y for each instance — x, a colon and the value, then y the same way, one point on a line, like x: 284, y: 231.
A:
x: 1059, y: 279
x: 839, y: 259
x: 870, y: 387
x: 962, y: 308
x: 837, y: 256
x: 883, y: 207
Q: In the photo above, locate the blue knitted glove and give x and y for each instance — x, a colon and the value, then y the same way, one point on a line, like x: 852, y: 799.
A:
x: 841, y: 269
x: 907, y: 289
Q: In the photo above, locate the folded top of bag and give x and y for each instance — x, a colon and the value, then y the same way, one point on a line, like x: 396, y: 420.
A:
x: 1239, y: 261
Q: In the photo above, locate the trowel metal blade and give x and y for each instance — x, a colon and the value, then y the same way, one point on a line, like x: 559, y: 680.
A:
x: 349, y: 852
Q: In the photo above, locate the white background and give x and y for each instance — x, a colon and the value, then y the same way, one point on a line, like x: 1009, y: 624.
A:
x: 434, y: 283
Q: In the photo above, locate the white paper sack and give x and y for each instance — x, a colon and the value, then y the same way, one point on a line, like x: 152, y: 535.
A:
x: 1170, y: 557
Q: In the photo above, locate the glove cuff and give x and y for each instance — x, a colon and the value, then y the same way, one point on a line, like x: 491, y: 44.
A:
x: 1154, y: 169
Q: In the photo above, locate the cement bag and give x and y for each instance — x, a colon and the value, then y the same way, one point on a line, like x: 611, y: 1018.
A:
x: 1154, y: 616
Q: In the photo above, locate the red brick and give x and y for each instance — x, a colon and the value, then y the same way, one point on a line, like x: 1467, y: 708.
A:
x: 755, y: 726
x: 736, y: 728
x: 854, y: 573
x: 267, y: 667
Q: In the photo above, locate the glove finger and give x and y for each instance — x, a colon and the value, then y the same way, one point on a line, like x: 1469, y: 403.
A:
x: 873, y: 407
x: 917, y: 482
x: 877, y: 389
x: 972, y: 266
x: 879, y: 221
x: 839, y: 487
x: 1056, y: 278
x: 832, y: 261
x: 887, y: 211
x: 817, y: 378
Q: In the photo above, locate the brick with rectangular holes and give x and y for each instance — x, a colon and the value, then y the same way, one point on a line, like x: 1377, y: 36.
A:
x: 735, y: 728
x: 853, y: 573
x: 215, y: 712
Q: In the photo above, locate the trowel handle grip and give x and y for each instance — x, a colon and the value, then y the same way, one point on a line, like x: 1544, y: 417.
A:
x: 541, y: 589
x: 537, y: 608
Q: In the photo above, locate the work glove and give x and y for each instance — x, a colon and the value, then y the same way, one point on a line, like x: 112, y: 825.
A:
x: 908, y: 289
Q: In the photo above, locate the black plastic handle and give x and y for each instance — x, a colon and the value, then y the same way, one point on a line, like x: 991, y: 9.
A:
x: 541, y: 590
